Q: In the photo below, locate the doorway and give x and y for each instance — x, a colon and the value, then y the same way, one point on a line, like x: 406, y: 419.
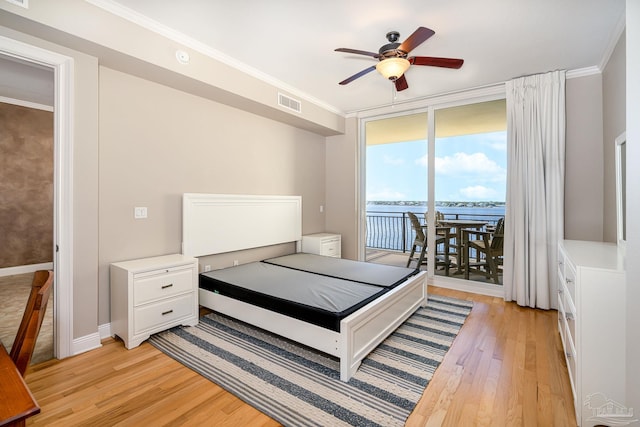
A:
x: 26, y: 214
x: 62, y: 183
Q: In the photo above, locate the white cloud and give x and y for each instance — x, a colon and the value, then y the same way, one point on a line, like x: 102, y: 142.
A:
x: 467, y: 164
x: 422, y: 161
x: 479, y: 192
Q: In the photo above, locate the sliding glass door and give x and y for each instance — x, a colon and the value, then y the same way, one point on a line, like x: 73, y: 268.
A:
x: 447, y: 166
x: 469, y: 184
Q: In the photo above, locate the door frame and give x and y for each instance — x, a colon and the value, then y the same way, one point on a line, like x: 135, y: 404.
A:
x: 63, y: 67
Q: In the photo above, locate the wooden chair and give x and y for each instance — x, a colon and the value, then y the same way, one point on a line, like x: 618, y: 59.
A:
x: 25, y: 341
x: 489, y: 248
x: 442, y: 258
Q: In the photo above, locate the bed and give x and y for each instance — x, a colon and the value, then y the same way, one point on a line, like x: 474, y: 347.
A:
x: 341, y: 307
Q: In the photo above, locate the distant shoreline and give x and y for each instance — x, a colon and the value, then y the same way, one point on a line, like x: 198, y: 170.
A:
x: 453, y: 204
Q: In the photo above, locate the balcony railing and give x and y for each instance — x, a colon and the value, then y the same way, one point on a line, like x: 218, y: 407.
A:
x: 392, y: 231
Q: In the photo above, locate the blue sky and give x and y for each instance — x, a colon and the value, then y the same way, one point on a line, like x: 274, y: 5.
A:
x: 468, y: 168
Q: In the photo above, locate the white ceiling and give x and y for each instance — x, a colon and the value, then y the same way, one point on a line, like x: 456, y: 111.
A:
x: 293, y: 41
x: 290, y: 43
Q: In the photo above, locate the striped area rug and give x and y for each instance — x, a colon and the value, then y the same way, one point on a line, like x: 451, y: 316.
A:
x: 299, y: 386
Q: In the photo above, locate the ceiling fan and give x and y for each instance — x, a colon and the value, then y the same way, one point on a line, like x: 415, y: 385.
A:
x: 393, y: 60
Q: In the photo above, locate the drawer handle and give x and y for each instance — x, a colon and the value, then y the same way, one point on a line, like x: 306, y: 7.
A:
x: 569, y: 354
x: 560, y: 291
x: 568, y: 316
x: 569, y: 280
x: 164, y: 313
x: 167, y: 286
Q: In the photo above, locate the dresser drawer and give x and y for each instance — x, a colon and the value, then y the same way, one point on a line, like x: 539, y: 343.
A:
x: 571, y: 355
x: 570, y: 319
x: 157, y: 314
x: 561, y: 264
x: 153, y: 286
x: 570, y: 281
x: 562, y: 323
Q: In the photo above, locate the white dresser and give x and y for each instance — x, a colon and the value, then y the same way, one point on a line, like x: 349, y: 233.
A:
x: 591, y: 321
x: 327, y: 244
x: 153, y: 294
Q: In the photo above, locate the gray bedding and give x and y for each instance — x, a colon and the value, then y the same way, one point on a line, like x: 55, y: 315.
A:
x: 362, y: 272
x: 311, y: 290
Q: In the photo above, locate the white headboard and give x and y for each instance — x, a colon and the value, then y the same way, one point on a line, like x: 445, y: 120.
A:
x: 218, y: 223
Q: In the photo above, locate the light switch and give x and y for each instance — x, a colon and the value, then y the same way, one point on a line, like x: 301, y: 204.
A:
x: 140, y: 212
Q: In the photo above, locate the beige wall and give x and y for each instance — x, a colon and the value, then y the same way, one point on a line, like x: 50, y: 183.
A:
x: 342, y: 187
x: 583, y: 159
x: 614, y: 98
x: 26, y: 185
x: 157, y: 143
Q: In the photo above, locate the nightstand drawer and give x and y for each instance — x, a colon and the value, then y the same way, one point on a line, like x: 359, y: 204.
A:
x: 161, y: 284
x: 330, y: 247
x: 160, y: 313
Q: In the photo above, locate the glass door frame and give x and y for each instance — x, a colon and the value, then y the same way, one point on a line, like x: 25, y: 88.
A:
x: 431, y: 106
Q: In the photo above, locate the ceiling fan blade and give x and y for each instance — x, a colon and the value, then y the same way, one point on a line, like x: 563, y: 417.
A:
x: 415, y: 39
x: 401, y: 83
x: 357, y: 75
x: 358, y: 52
x: 436, y: 62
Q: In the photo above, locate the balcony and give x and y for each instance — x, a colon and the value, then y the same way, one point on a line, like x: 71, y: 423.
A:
x: 389, y: 237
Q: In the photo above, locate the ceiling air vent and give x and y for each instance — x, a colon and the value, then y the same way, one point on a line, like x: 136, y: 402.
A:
x: 289, y: 103
x: 23, y: 3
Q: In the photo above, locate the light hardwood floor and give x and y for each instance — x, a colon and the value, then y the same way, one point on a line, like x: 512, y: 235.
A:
x: 506, y: 368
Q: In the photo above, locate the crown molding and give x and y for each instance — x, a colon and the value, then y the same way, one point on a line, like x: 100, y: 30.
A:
x: 583, y: 72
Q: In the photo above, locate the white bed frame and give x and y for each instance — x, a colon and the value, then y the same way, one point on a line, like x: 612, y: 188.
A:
x: 217, y: 223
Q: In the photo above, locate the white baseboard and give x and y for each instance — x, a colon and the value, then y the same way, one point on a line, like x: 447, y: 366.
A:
x: 86, y: 343
x: 22, y: 269
x: 104, y: 330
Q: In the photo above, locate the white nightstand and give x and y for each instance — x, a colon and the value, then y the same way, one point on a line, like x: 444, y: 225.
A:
x: 153, y: 294
x: 327, y: 244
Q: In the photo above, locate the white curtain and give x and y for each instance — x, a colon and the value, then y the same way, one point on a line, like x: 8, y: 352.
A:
x: 535, y: 188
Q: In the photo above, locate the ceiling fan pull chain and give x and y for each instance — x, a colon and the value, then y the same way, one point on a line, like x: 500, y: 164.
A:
x: 394, y: 94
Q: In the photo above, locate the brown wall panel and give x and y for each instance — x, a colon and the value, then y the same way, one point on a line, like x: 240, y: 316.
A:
x: 26, y: 186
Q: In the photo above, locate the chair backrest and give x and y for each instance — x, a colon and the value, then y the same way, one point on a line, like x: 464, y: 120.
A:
x: 439, y: 217
x: 415, y: 223
x: 25, y: 341
x: 497, y: 239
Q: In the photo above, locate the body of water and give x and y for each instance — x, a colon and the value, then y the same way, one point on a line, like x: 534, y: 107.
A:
x: 461, y: 212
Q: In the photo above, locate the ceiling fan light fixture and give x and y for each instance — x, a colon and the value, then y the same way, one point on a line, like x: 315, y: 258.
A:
x: 393, y: 68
